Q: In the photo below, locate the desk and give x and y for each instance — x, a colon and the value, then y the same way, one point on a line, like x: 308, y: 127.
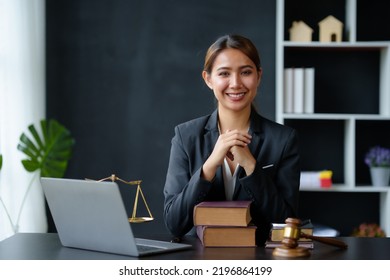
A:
x: 47, y: 246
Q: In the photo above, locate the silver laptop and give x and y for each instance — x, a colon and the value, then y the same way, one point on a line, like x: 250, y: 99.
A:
x: 91, y: 215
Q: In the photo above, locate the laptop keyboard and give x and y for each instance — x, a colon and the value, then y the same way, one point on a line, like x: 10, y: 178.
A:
x: 143, y: 248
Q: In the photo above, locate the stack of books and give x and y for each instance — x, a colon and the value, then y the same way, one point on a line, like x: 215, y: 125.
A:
x: 276, y: 235
x: 224, y: 224
x: 316, y: 179
x: 299, y: 90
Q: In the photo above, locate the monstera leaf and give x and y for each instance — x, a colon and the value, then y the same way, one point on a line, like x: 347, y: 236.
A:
x: 51, y: 152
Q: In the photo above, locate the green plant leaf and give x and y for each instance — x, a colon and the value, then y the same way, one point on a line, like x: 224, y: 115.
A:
x: 36, y: 136
x: 48, y: 152
x: 30, y: 165
x: 1, y: 161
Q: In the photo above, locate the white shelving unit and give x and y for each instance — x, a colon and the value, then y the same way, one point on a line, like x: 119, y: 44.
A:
x: 349, y: 121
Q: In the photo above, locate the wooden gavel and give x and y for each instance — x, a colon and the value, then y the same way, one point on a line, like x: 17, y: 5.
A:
x: 291, y: 235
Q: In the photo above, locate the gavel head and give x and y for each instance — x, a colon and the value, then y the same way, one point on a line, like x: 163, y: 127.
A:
x: 290, y: 248
x: 291, y: 232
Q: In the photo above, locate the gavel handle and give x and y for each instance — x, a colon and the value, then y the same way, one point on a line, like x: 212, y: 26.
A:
x: 326, y: 240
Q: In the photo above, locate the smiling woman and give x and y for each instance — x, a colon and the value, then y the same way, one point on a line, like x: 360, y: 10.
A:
x: 233, y: 153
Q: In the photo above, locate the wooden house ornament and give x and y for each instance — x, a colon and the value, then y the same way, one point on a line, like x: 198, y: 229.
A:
x: 300, y: 32
x: 331, y: 30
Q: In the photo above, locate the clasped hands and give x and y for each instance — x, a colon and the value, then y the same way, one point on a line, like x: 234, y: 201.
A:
x: 232, y: 144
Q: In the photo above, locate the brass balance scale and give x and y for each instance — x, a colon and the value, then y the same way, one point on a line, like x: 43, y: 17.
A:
x: 133, y: 218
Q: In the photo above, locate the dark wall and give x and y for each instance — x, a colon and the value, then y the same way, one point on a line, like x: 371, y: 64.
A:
x: 121, y: 74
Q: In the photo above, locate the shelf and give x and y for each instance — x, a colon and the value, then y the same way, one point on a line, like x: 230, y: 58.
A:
x: 335, y: 117
x: 333, y: 66
x: 342, y: 45
x: 344, y: 188
x: 351, y: 95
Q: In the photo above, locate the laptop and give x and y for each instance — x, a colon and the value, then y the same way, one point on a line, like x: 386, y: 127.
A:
x: 91, y: 215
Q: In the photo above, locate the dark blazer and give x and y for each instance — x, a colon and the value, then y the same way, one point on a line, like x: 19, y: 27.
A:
x: 273, y: 187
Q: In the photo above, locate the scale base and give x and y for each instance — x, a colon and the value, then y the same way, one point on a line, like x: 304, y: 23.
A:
x: 140, y: 219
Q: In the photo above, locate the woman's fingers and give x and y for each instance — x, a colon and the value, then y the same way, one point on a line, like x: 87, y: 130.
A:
x: 233, y: 138
x: 236, y: 138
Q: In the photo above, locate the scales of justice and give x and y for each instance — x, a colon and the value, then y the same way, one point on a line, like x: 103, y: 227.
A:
x: 133, y: 218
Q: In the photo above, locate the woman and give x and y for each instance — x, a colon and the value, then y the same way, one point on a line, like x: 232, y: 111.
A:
x: 233, y: 153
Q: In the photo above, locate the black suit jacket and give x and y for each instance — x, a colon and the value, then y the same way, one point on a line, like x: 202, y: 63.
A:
x: 273, y: 187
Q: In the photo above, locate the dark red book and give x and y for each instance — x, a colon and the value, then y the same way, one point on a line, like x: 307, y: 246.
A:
x: 222, y: 213
x: 223, y: 236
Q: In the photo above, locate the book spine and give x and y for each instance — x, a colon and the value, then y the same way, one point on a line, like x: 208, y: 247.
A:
x: 288, y: 90
x: 309, y: 90
x: 298, y: 90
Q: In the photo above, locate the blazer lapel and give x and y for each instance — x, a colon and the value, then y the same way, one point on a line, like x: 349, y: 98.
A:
x: 257, y: 135
x: 210, y: 138
x: 254, y: 147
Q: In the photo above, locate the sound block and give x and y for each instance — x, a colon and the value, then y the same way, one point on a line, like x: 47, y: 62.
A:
x: 285, y: 252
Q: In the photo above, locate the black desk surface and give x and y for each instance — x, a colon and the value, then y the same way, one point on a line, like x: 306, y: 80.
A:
x: 46, y: 246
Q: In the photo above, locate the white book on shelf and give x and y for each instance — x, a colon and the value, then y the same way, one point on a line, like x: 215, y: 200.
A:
x: 308, y: 98
x: 310, y: 179
x: 288, y: 98
x: 298, y: 90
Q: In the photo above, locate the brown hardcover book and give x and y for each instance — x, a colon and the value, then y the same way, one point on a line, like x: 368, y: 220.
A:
x: 214, y: 236
x: 273, y: 244
x: 222, y: 213
x: 276, y: 232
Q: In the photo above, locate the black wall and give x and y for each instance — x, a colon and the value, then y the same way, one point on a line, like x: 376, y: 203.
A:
x: 121, y: 74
